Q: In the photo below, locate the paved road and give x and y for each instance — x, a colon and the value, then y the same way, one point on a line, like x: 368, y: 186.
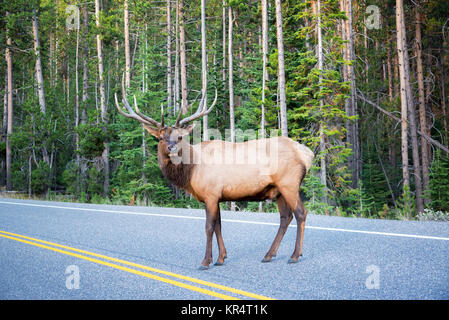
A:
x: 52, y: 250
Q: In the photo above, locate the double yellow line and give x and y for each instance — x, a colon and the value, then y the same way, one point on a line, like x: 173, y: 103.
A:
x: 87, y: 255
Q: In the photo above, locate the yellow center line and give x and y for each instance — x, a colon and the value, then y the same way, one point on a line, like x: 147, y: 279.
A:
x: 148, y: 275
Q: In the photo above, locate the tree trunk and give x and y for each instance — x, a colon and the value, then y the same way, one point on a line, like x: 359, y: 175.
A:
x: 39, y: 77
x: 4, y: 130
x: 169, y: 71
x: 412, y: 121
x: 77, y: 109
x: 389, y: 73
x: 224, y: 43
x: 323, y: 173
x: 281, y: 69
x: 204, y: 66
x: 85, y: 94
x: 231, y: 82
x: 127, y: 52
x: 403, y: 92
x: 176, y: 80
x: 264, y: 62
x: 231, y: 76
x: 9, y: 131
x: 103, y: 109
x: 407, y: 107
x: 422, y: 103
x: 182, y: 40
x: 443, y: 94
x: 350, y: 104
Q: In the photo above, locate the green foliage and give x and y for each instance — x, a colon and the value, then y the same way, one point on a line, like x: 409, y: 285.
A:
x: 315, y: 193
x: 406, y: 204
x: 40, y: 178
x: 64, y: 156
x: 431, y: 215
x: 439, y: 183
x: 92, y: 140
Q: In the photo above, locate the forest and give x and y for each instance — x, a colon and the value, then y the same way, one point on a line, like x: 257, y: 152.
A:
x: 363, y: 83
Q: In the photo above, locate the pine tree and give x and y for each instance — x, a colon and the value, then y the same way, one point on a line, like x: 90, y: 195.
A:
x: 439, y: 183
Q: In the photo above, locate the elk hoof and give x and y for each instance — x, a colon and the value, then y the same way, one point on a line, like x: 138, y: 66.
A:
x: 203, y: 267
x: 264, y: 260
x: 218, y: 263
x: 294, y: 260
x: 268, y: 258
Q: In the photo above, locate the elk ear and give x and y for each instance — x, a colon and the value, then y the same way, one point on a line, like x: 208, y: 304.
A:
x: 187, y: 130
x: 153, y: 131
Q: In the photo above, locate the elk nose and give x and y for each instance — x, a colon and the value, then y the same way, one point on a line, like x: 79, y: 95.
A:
x: 172, y: 148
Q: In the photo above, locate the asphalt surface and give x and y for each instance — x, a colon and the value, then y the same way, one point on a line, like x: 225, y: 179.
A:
x: 147, y: 253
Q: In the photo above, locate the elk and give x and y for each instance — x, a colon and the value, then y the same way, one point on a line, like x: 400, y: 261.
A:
x: 216, y: 171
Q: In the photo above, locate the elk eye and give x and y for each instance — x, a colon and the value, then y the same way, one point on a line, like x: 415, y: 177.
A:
x: 179, y: 138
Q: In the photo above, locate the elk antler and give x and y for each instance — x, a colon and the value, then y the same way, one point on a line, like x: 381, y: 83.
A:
x: 201, y: 111
x: 139, y: 116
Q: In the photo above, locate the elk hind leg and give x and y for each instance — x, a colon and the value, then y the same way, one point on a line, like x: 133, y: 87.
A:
x: 293, y: 200
x: 285, y: 219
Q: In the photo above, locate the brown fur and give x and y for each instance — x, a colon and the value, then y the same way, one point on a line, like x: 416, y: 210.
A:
x: 178, y: 174
x: 213, y: 182
x: 226, y: 172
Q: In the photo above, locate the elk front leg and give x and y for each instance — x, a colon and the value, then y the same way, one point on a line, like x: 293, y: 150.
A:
x: 211, y: 220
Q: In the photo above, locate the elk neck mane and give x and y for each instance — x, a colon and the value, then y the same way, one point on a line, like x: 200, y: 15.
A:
x: 178, y: 174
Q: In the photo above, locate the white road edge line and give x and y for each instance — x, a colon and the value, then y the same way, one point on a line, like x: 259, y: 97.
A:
x: 228, y: 220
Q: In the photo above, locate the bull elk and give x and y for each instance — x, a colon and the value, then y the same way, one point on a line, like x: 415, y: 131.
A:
x: 211, y: 173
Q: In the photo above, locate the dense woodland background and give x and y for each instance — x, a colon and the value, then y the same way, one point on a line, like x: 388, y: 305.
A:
x: 363, y: 83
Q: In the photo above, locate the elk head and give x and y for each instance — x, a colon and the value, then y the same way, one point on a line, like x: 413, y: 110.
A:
x: 170, y: 137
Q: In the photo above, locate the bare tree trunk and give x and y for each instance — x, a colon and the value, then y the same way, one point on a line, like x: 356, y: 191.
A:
x: 144, y: 143
x: 77, y: 108
x: 224, y: 42
x: 323, y: 173
x: 412, y: 121
x: 443, y: 94
x: 126, y: 44
x: 85, y: 94
x: 422, y: 102
x: 103, y: 108
x: 389, y: 73
x: 231, y: 75
x: 264, y: 43
x: 8, y: 58
x: 51, y: 57
x: 264, y: 62
x: 39, y: 77
x: 281, y: 69
x: 4, y: 129
x: 404, y: 110
x: 182, y: 39
x: 407, y: 107
x: 231, y: 81
x: 176, y: 80
x: 204, y: 66
x: 350, y: 104
x: 169, y: 80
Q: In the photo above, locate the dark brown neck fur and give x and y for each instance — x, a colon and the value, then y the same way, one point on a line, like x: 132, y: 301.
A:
x: 178, y: 174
